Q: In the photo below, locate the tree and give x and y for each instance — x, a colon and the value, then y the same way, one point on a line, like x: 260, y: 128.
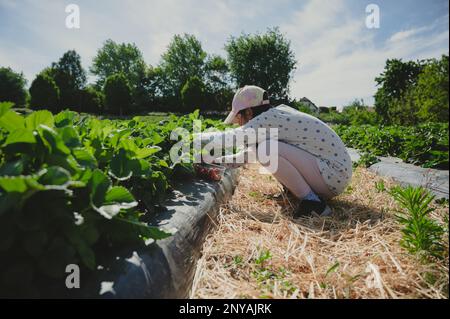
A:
x: 12, y: 87
x: 117, y: 94
x: 431, y: 91
x: 393, y: 82
x: 184, y: 59
x: 218, y: 83
x: 264, y: 60
x: 124, y: 58
x: 91, y: 100
x: 44, y: 93
x: 70, y: 77
x: 193, y: 94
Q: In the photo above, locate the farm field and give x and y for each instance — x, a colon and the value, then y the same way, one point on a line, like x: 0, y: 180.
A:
x: 73, y: 187
x: 259, y: 251
x: 114, y: 185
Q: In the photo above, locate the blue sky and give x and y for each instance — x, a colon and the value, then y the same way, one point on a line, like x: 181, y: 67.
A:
x: 338, y: 56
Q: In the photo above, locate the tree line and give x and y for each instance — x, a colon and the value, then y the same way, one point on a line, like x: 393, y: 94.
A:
x: 411, y: 92
x: 186, y: 77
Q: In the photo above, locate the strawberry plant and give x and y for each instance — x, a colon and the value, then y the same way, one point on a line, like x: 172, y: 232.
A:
x: 426, y: 144
x: 73, y: 186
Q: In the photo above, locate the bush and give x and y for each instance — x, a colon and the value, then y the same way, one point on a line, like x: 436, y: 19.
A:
x: 91, y: 100
x: 44, y: 93
x: 117, y: 94
x: 302, y: 107
x: 12, y: 87
x: 193, y: 94
x: 354, y: 114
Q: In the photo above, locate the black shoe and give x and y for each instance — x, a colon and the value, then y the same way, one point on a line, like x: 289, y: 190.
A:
x: 307, y: 207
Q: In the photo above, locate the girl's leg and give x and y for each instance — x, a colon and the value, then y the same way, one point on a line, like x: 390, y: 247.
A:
x: 306, y: 178
x: 291, y: 178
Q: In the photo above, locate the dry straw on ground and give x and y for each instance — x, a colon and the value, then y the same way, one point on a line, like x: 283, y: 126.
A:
x: 259, y: 251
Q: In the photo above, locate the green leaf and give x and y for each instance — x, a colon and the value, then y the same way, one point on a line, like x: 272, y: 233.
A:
x: 21, y: 135
x: 19, y: 184
x: 53, y: 141
x: 5, y: 107
x: 84, y: 157
x: 87, y: 255
x: 11, y: 121
x: 146, y: 152
x: 99, y: 184
x: 12, y: 168
x: 118, y: 194
x: 121, y: 166
x: 163, y: 163
x: 64, y: 118
x: 154, y: 233
x: 332, y: 269
x: 75, y: 236
x: 55, y: 175
x: 90, y: 233
x: 129, y: 145
x: 109, y: 211
x: 145, y: 230
x: 69, y: 136
x: 35, y: 119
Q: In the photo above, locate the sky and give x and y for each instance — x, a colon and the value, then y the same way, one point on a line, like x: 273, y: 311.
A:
x: 338, y: 56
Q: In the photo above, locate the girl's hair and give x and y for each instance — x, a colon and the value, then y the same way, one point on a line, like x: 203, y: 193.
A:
x: 257, y: 110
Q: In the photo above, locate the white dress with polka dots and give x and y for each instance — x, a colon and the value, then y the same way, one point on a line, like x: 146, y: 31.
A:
x: 308, y: 133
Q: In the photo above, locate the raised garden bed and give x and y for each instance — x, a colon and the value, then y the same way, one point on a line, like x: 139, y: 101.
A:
x: 165, y: 269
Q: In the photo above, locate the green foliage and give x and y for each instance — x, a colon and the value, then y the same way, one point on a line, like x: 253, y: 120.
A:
x: 193, y: 94
x: 91, y: 100
x: 268, y: 278
x: 421, y: 234
x: 265, y: 60
x: 356, y: 113
x: 70, y: 77
x: 302, y: 107
x: 44, y: 93
x: 393, y: 82
x: 184, y: 59
x: 380, y: 187
x: 367, y: 159
x: 126, y: 59
x: 117, y: 94
x: 12, y: 87
x: 411, y: 92
x: 113, y: 58
x: 431, y: 92
x: 217, y: 80
x: 264, y: 256
x: 74, y: 188
x: 425, y: 144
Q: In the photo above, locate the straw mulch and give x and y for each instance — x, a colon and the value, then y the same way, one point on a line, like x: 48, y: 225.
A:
x: 259, y: 251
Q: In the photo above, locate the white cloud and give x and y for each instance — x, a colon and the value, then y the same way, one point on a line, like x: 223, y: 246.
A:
x: 404, y: 35
x: 339, y: 57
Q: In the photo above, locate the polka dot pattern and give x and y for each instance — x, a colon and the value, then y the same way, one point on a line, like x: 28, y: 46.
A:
x: 312, y: 135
